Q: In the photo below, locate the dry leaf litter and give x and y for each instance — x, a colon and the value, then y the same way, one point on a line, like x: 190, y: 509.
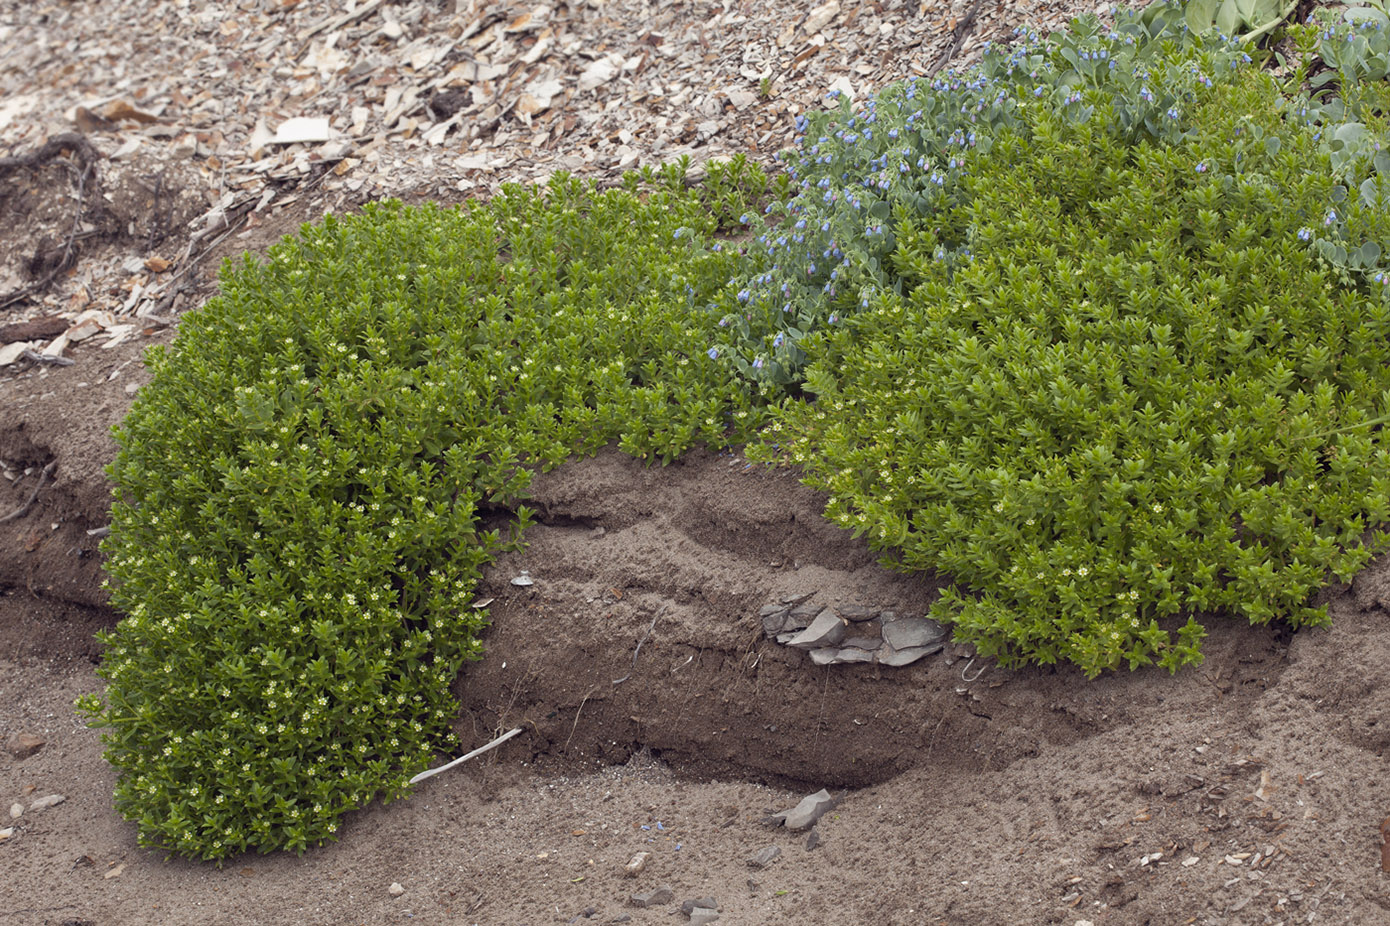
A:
x: 209, y: 118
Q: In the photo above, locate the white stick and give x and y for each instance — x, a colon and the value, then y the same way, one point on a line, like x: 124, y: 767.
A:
x: 461, y: 759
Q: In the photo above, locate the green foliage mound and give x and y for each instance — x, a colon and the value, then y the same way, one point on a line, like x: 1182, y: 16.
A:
x: 1143, y: 393
x: 295, y: 537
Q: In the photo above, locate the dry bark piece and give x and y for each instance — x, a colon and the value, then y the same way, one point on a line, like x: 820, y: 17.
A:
x: 38, y: 329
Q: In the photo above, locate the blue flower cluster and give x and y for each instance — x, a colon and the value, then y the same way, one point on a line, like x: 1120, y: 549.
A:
x: 905, y: 155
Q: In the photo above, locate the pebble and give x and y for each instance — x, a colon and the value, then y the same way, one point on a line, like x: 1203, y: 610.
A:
x: 805, y: 814
x: 661, y: 895
x: 702, y: 916
x: 879, y: 636
x: 911, y: 632
x: 857, y: 612
x: 634, y: 867
x: 826, y: 630
x: 764, y: 857
x: 690, y: 906
x: 6, y: 833
x: 622, y: 918
x: 813, y: 839
x: 395, y: 890
x: 16, y: 811
x: 24, y: 745
x: 42, y: 803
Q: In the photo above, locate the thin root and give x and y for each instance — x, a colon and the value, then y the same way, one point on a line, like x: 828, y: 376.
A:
x: 24, y: 508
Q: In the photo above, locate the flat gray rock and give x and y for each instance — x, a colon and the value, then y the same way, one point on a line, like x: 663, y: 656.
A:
x: 690, y: 906
x: 849, y: 654
x: 774, y: 618
x: 908, y: 655
x: 825, y: 657
x: 661, y: 895
x: 857, y: 612
x: 24, y: 745
x: 764, y: 857
x: 703, y: 916
x: 826, y: 630
x: 804, y: 815
x: 909, y: 632
x: 869, y: 643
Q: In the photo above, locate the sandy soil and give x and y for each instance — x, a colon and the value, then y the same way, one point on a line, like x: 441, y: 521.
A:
x: 1249, y: 790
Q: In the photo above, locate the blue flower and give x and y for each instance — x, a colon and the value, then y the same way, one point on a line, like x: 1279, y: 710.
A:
x: 713, y: 353
x: 1305, y: 234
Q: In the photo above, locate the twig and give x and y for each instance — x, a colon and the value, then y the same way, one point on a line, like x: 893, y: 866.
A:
x: 54, y: 359
x: 574, y: 726
x: 619, y: 681
x: 24, y: 508
x: 430, y: 773
x: 963, y: 28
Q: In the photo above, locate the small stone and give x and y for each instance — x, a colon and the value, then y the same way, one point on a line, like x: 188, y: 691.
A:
x: 114, y: 872
x: 690, y: 906
x: 702, y: 916
x: 634, y: 867
x: 764, y: 857
x: 6, y: 833
x: 813, y: 839
x: 661, y: 895
x: 805, y: 814
x: 774, y: 618
x: 905, y: 657
x: 857, y: 612
x: 826, y: 630
x: 523, y: 580
x: 395, y: 890
x: 24, y: 745
x: 824, y: 657
x: 622, y: 918
x: 852, y: 654
x: 16, y: 811
x: 43, y: 803
x: 909, y: 632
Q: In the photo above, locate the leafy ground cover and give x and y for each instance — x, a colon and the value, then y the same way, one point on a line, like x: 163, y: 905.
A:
x: 295, y: 536
x: 1096, y: 329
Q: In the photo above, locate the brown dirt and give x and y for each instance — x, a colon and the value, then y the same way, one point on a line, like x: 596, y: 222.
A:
x: 1022, y: 797
x: 1248, y: 790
